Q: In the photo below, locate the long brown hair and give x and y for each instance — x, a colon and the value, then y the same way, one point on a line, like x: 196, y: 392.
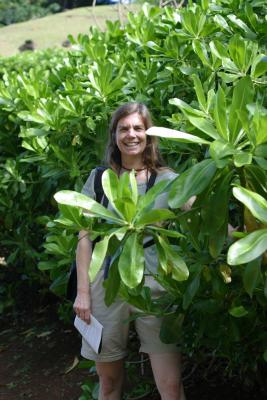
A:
x: 152, y: 158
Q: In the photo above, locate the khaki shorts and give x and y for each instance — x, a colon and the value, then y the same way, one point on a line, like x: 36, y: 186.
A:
x: 115, y: 332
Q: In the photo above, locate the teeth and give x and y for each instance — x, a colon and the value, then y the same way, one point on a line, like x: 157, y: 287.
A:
x: 131, y: 144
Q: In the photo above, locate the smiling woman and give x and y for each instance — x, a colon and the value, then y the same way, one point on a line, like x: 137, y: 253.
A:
x: 129, y: 149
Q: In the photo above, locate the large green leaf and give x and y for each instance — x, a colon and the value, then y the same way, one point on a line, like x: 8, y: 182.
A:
x: 259, y: 66
x: 242, y: 95
x: 220, y: 114
x: 242, y: 158
x: 252, y: 275
x: 131, y: 262
x: 215, y: 211
x: 171, y: 328
x: 248, y: 248
x: 166, y: 232
x: 253, y: 201
x: 242, y: 52
x: 200, y: 93
x: 123, y: 186
x: 172, y: 262
x: 98, y: 256
x: 112, y: 283
x: 147, y: 200
x: 217, y: 240
x: 75, y: 199
x: 127, y: 208
x: 191, y: 290
x: 74, y: 214
x: 110, y: 184
x: 197, y: 118
x: 134, y: 188
x: 259, y: 123
x: 238, y: 312
x: 219, y: 150
x: 191, y: 182
x: 175, y: 135
x: 153, y: 216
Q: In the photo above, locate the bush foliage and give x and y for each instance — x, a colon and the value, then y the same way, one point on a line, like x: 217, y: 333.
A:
x: 22, y: 10
x: 201, y: 70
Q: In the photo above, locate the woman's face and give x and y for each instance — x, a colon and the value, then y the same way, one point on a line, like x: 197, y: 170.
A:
x: 131, y: 135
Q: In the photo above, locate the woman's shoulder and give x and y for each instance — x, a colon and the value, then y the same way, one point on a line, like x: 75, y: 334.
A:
x: 88, y: 187
x: 166, y: 173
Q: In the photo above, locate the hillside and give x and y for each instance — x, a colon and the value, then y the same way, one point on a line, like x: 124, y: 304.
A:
x: 52, y: 30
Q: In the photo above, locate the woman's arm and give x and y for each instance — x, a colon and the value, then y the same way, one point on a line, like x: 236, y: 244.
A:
x: 82, y: 304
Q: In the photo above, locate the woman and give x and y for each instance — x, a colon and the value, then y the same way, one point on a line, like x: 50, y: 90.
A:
x: 129, y: 148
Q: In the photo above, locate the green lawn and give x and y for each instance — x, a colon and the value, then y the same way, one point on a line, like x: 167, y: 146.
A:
x: 51, y: 31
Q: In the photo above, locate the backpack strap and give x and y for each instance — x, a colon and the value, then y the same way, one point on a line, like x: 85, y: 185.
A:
x: 98, y: 188
x: 151, y: 180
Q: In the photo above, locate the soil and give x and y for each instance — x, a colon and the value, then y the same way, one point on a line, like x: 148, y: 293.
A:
x: 38, y: 353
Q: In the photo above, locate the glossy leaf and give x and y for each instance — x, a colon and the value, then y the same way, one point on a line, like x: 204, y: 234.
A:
x: 191, y: 182
x: 200, y: 92
x: 215, y: 212
x: 219, y: 150
x: 69, y: 197
x: 112, y: 283
x: 220, y: 113
x: 242, y: 158
x: 238, y: 312
x: 191, y: 291
x: 242, y: 95
x: 171, y: 261
x: 252, y: 275
x: 253, y: 201
x: 134, y: 188
x: 153, y: 216
x: 110, y: 184
x: 249, y: 248
x: 171, y: 328
x: 166, y: 232
x: 98, y: 257
x: 147, y: 200
x: 175, y: 135
x: 197, y: 118
x: 131, y: 262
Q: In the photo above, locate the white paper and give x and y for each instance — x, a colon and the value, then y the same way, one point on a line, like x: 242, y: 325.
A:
x: 92, y: 333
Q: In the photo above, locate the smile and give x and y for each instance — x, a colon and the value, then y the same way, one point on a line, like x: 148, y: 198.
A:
x: 133, y: 144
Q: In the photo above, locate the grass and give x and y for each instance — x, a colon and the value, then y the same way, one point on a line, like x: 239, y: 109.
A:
x: 52, y: 30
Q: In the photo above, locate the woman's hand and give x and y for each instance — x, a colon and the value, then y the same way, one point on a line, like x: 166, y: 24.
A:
x: 82, y: 306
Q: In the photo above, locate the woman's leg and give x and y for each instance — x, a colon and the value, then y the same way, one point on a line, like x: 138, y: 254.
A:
x: 166, y: 369
x: 111, y: 376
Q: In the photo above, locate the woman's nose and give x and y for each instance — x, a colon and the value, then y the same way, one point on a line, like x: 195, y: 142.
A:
x: 131, y: 132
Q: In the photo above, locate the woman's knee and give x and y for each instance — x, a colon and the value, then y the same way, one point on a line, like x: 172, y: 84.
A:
x: 110, y: 377
x: 108, y: 385
x: 169, y: 388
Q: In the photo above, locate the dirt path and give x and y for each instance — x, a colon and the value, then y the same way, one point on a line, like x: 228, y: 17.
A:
x: 37, y: 350
x: 34, y: 358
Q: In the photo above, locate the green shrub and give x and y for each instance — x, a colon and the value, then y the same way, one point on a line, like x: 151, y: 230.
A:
x: 201, y: 70
x: 22, y: 10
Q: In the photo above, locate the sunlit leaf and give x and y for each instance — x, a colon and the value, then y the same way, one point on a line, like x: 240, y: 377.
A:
x: 253, y: 201
x: 131, y: 262
x: 75, y: 199
x: 249, y: 248
x: 191, y: 182
x: 175, y: 135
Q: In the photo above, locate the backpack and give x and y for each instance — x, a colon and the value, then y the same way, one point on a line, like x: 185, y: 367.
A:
x: 100, y: 197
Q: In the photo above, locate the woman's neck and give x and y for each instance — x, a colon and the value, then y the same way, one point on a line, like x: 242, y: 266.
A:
x: 132, y: 163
